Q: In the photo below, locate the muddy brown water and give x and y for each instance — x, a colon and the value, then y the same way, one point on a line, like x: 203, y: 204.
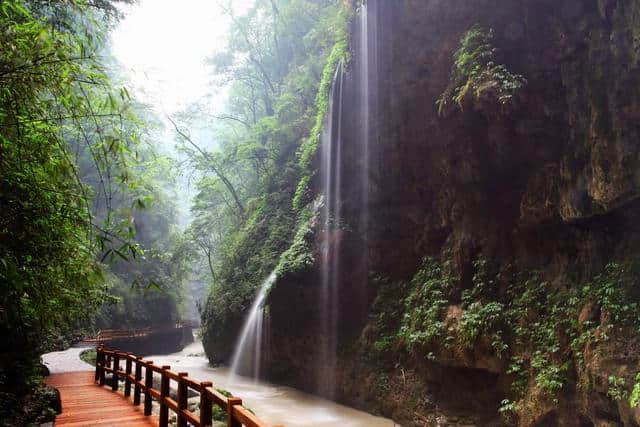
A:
x: 274, y: 404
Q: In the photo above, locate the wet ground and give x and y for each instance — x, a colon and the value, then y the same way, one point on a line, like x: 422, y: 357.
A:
x: 66, y: 361
x: 274, y: 404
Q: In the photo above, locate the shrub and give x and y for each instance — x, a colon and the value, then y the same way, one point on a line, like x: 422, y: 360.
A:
x: 475, y: 73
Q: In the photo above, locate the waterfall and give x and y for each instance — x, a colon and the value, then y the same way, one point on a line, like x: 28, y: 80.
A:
x: 366, y: 79
x: 247, y: 353
x: 331, y: 153
x: 354, y: 90
x: 363, y: 137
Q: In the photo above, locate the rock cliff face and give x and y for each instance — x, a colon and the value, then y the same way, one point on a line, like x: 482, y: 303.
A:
x: 550, y: 183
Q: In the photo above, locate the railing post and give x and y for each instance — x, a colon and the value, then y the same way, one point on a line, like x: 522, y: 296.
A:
x: 136, y: 387
x: 127, y: 380
x: 182, y: 399
x: 231, y: 402
x: 148, y: 384
x: 99, y: 361
x: 206, y: 414
x: 164, y: 392
x: 97, y: 376
x: 103, y: 364
x: 116, y: 367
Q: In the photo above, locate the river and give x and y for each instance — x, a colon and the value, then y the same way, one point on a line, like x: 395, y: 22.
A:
x: 274, y: 404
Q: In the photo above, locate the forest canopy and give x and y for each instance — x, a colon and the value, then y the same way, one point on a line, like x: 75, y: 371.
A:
x: 76, y: 179
x: 89, y: 227
x: 277, y: 63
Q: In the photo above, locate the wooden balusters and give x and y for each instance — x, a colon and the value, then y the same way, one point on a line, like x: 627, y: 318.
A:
x: 138, y: 377
x: 127, y: 378
x: 116, y: 368
x: 100, y: 365
x: 109, y: 361
x: 148, y: 385
x: 164, y: 392
x: 107, y: 365
x: 182, y: 398
x: 103, y: 364
x: 231, y: 402
x: 98, y: 361
x: 206, y: 414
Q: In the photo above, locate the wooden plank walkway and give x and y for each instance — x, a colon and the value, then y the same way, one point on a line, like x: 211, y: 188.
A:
x: 86, y: 404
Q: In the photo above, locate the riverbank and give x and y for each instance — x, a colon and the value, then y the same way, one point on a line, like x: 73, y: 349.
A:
x: 275, y: 404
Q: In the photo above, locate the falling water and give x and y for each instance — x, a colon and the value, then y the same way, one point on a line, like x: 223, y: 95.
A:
x: 333, y: 139
x: 330, y: 268
x: 366, y: 81
x: 363, y: 81
x: 248, y: 349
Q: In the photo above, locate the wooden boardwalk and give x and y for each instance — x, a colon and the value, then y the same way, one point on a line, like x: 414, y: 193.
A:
x: 86, y: 404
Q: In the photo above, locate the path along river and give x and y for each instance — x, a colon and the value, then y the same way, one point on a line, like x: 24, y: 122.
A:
x: 274, y: 404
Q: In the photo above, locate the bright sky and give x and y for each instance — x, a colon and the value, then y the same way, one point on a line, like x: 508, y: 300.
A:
x: 163, y: 46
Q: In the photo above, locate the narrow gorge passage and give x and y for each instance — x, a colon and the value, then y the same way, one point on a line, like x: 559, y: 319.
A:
x: 426, y: 210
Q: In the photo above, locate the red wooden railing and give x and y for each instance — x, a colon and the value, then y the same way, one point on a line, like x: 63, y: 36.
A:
x: 105, y: 335
x: 108, y: 361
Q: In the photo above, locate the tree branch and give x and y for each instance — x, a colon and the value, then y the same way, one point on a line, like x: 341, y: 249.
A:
x: 219, y: 174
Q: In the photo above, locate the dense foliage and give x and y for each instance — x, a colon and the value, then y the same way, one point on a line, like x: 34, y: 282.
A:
x: 88, y: 235
x: 75, y: 179
x: 278, y: 64
x: 535, y: 332
x: 475, y: 75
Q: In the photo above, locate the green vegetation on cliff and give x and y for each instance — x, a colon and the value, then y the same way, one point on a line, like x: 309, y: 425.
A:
x: 501, y: 142
x: 544, y: 338
x: 75, y: 180
x: 476, y: 76
x: 291, y: 50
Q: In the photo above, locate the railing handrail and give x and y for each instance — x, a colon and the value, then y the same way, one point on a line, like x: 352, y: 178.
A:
x: 104, y: 335
x: 109, y: 361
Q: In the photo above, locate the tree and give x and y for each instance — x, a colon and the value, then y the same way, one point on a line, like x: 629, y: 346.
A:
x: 272, y: 66
x: 68, y: 149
